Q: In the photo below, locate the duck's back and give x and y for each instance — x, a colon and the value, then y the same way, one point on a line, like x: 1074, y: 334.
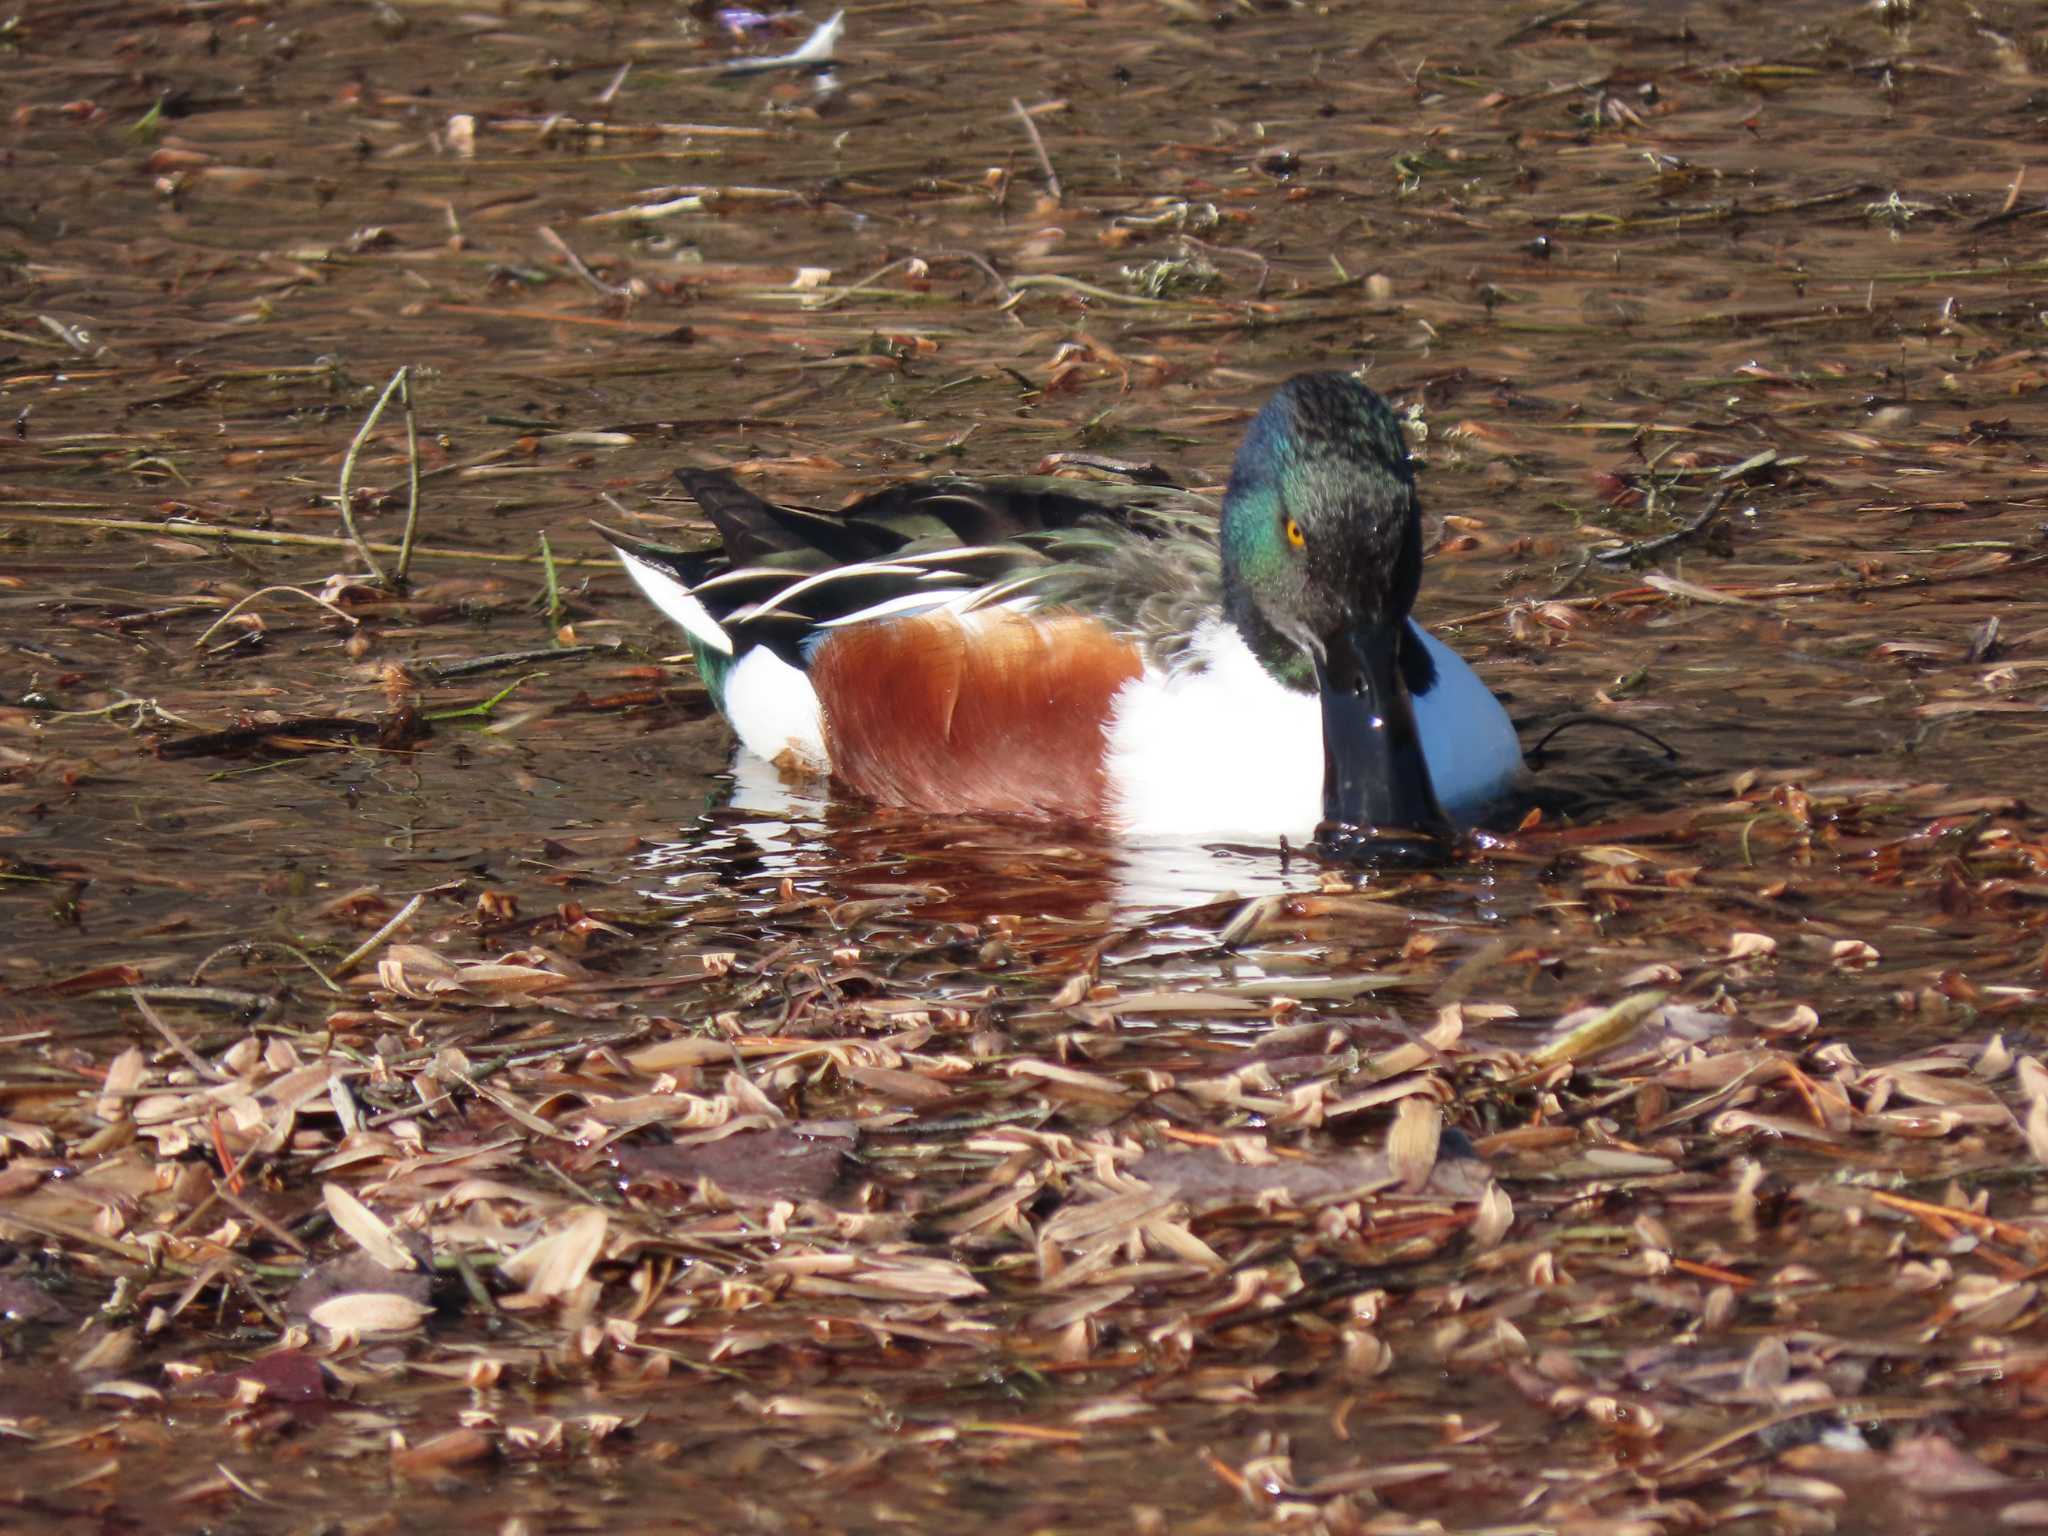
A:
x: 951, y: 644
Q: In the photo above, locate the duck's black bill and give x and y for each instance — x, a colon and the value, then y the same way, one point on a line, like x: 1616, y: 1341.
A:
x: 1379, y: 806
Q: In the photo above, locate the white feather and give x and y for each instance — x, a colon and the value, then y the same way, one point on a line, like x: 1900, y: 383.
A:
x: 668, y: 594
x: 836, y: 573
x: 1000, y: 594
x: 774, y: 711
x: 898, y: 607
x: 1218, y: 749
x: 950, y: 553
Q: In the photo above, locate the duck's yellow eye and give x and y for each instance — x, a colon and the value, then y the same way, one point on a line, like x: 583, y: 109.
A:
x: 1294, y: 534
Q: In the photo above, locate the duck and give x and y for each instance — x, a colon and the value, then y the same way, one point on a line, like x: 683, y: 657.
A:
x: 1108, y: 653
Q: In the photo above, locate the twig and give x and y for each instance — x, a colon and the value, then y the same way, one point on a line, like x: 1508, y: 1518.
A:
x: 958, y: 1125
x: 1086, y: 290
x: 1569, y: 721
x: 645, y: 212
x: 248, y: 947
x: 1641, y: 547
x: 207, y: 634
x: 348, y: 469
x: 293, y: 729
x: 2009, y: 209
x: 229, y: 1177
x: 260, y: 1219
x: 562, y: 123
x: 441, y: 673
x: 1585, y: 564
x: 1553, y: 93
x: 376, y: 940
x: 582, y: 269
x: 227, y: 997
x: 1544, y: 22
x: 1735, y: 1437
x: 841, y: 295
x: 2004, y: 1231
x: 412, y: 480
x: 1052, y: 180
x: 1717, y: 213
x: 1358, y: 1282
x: 1002, y: 288
x: 275, y: 536
x: 145, y: 710
x: 193, y: 1059
x: 510, y: 1106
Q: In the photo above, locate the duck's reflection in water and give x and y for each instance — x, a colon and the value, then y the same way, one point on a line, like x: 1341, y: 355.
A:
x: 775, y: 828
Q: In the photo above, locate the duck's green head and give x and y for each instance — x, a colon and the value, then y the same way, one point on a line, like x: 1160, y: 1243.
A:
x: 1321, y: 526
x: 1322, y: 555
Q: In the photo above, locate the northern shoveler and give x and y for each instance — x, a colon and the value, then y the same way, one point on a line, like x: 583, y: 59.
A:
x: 1071, y: 649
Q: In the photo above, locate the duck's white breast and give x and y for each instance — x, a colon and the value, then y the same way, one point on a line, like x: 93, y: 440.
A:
x: 1217, y: 749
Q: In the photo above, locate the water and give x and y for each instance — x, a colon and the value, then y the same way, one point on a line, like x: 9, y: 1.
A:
x: 1613, y: 261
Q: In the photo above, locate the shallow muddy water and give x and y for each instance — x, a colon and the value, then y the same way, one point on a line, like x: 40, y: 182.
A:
x: 700, y: 1157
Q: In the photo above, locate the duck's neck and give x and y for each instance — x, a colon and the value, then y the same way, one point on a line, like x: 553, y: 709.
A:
x: 1281, y: 657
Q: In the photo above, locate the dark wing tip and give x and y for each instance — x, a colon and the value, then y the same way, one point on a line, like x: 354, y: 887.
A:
x: 625, y: 543
x: 689, y: 566
x: 714, y: 482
